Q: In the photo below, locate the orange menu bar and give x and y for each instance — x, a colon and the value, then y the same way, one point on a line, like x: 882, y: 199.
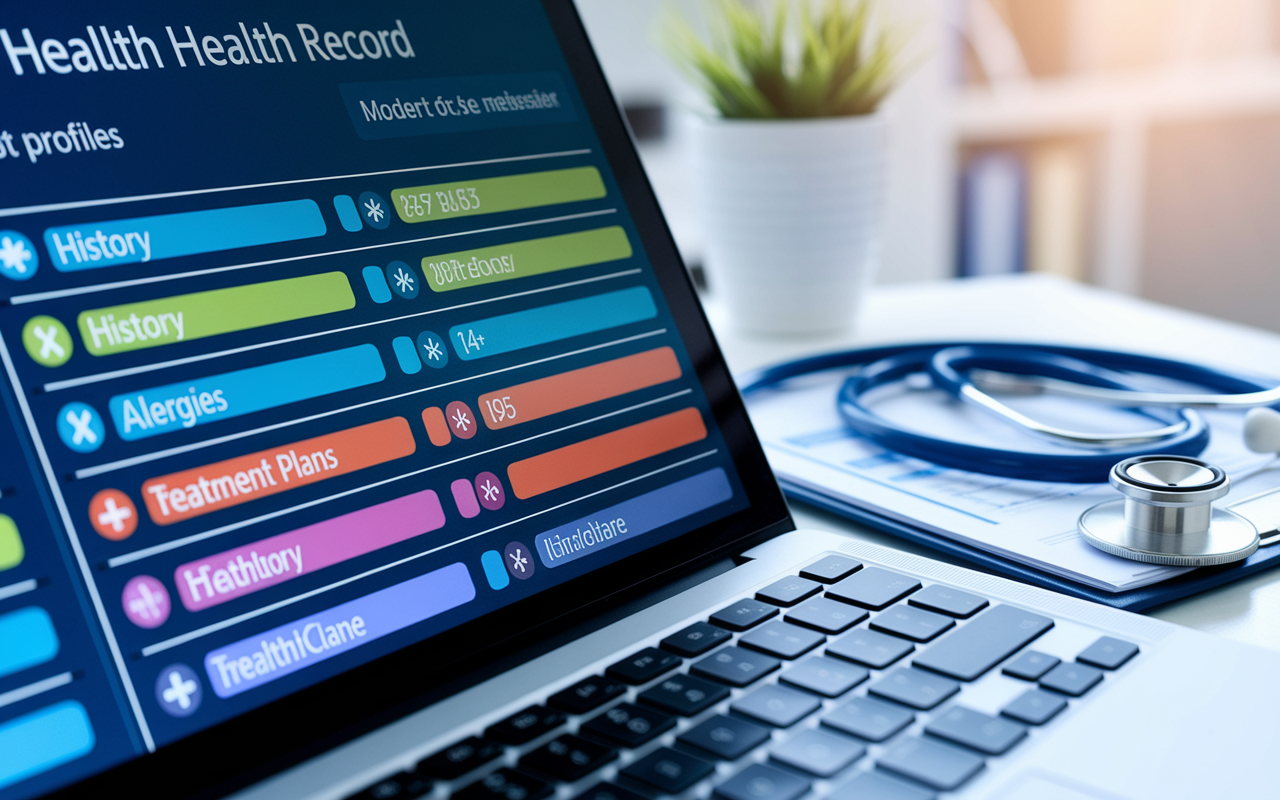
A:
x: 551, y: 395
x: 609, y: 451
x: 183, y: 495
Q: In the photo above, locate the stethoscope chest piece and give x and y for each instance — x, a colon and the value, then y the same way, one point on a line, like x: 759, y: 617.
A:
x: 1167, y: 516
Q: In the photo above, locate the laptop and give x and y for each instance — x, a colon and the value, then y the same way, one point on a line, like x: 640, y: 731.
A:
x: 364, y: 437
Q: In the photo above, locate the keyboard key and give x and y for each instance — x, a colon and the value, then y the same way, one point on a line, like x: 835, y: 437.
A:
x: 935, y: 764
x: 525, y: 726
x: 586, y: 695
x: 506, y: 784
x: 875, y: 650
x: 986, y: 734
x: 684, y: 695
x: 911, y: 623
x: 828, y: 677
x: 1108, y: 653
x: 736, y: 666
x: 873, y: 588
x: 1035, y: 707
x: 568, y: 758
x: 788, y: 591
x: 758, y: 782
x: 609, y: 791
x: 456, y: 761
x: 695, y: 640
x: 988, y: 639
x: 831, y: 569
x: 643, y: 666
x: 914, y: 688
x: 878, y: 786
x: 819, y: 753
x: 629, y: 725
x: 782, y: 639
x: 404, y: 785
x: 946, y: 600
x: 777, y: 705
x: 868, y: 718
x: 826, y: 615
x: 1031, y: 665
x: 1072, y: 679
x: 669, y: 771
x: 726, y: 737
x: 743, y: 614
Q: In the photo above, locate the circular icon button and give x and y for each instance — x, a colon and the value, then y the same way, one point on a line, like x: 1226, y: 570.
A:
x: 402, y: 280
x: 18, y: 259
x: 374, y: 211
x: 489, y: 491
x: 146, y: 601
x: 80, y: 427
x: 461, y: 421
x: 519, y: 561
x: 178, y: 690
x: 47, y: 341
x: 113, y: 515
x: 432, y: 350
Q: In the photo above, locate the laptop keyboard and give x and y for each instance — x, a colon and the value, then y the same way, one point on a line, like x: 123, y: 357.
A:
x: 845, y: 681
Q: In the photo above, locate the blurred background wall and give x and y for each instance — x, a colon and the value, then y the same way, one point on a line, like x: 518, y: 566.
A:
x: 1134, y: 144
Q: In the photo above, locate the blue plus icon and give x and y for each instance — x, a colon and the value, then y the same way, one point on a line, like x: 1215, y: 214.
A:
x: 80, y: 427
x: 18, y: 260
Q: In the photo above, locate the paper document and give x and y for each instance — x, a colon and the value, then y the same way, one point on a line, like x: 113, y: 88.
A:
x: 1031, y: 522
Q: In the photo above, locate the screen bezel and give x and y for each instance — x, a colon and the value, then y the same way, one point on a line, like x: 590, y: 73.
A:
x: 366, y: 697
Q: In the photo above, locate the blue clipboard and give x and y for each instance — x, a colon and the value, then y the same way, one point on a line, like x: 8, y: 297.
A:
x: 1199, y: 580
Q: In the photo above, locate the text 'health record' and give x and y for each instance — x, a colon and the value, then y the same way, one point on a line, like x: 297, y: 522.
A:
x: 257, y: 660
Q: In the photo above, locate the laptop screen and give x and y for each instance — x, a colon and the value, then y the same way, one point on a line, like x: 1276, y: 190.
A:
x: 325, y: 331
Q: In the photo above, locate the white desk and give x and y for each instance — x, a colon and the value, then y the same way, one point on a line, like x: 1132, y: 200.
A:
x: 1038, y: 308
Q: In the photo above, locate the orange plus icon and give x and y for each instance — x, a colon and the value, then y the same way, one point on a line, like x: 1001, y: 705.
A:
x: 113, y: 515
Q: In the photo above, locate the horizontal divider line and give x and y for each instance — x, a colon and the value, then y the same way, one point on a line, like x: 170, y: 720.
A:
x: 167, y: 644
x: 71, y: 383
x: 89, y: 472
x: 138, y: 555
x: 103, y: 287
x: 32, y: 689
x: 109, y: 201
x: 15, y: 589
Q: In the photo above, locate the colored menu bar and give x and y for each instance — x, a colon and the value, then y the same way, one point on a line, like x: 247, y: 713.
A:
x: 264, y: 657
x: 27, y: 638
x: 161, y: 409
x: 633, y: 517
x: 521, y: 259
x: 492, y: 195
x: 95, y: 245
x: 39, y: 741
x: 551, y: 323
x: 543, y: 397
x: 598, y: 455
x: 225, y: 576
x: 183, y: 318
x: 191, y: 493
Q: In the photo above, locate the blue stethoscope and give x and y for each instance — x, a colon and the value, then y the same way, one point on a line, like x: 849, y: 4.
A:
x: 1167, y: 490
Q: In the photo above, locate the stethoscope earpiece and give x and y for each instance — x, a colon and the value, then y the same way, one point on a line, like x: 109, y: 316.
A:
x: 1262, y: 430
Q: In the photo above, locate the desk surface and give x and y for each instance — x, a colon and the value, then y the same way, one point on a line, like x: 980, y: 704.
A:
x: 1041, y: 308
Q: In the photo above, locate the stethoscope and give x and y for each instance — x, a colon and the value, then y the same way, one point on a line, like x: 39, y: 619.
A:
x: 1165, y: 515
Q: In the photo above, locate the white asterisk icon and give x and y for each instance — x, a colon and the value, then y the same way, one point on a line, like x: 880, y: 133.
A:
x: 489, y: 491
x: 433, y: 350
x: 404, y: 280
x: 460, y: 420
x: 519, y: 561
x: 15, y: 255
x: 373, y: 210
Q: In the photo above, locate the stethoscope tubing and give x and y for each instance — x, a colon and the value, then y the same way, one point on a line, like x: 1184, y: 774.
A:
x: 1089, y: 368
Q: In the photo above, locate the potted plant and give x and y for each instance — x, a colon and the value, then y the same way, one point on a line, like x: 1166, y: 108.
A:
x: 787, y: 169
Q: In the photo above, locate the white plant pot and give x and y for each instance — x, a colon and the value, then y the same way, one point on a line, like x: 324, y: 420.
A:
x: 791, y: 214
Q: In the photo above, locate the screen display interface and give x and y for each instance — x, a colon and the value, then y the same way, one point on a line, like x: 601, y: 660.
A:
x: 323, y: 331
